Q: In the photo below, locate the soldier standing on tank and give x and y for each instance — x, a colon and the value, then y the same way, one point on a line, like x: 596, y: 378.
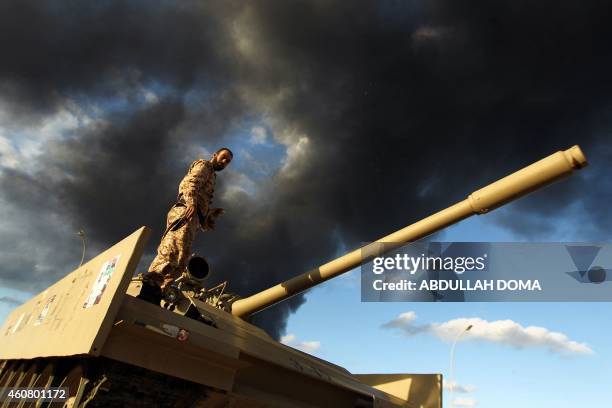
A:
x: 188, y: 215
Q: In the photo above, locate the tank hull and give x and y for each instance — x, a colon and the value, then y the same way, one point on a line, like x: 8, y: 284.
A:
x: 89, y: 332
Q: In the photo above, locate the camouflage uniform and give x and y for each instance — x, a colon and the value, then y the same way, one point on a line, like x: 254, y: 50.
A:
x: 197, y: 189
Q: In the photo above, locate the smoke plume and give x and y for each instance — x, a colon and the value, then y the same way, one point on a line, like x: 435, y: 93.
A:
x: 348, y: 120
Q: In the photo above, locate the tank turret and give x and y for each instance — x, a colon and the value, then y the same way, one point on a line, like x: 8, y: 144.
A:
x: 537, y: 175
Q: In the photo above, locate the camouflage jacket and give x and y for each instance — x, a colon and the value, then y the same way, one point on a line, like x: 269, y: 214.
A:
x: 198, y: 187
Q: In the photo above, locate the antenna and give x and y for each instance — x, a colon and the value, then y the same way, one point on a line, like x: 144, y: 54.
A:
x: 81, y: 234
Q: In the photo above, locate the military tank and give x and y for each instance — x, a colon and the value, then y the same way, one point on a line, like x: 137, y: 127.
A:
x: 88, y: 341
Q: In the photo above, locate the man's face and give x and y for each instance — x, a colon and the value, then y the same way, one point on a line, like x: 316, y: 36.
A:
x: 221, y: 160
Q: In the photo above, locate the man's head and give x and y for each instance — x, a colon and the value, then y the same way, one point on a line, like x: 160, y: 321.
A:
x: 221, y: 158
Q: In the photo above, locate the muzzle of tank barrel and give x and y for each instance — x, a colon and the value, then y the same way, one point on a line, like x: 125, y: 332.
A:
x: 197, y: 269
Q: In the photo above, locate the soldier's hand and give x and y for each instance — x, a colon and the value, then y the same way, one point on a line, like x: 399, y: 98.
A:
x: 189, y: 212
x: 212, y: 215
x: 216, y: 212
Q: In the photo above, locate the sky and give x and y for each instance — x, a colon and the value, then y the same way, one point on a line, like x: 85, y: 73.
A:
x: 348, y: 120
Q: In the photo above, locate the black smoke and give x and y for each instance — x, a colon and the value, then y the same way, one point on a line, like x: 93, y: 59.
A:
x: 404, y: 107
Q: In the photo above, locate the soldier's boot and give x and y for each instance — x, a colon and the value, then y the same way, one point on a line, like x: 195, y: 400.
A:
x: 150, y: 292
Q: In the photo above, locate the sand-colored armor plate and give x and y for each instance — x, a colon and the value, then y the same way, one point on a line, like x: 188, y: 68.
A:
x: 75, y: 315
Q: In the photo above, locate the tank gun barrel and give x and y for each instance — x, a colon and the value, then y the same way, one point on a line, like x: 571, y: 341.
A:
x: 537, y: 175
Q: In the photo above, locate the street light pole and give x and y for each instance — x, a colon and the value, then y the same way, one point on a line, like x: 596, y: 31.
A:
x: 452, y: 361
x: 81, y: 234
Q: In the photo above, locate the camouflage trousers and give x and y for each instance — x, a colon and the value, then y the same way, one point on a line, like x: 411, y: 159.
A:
x: 175, y: 247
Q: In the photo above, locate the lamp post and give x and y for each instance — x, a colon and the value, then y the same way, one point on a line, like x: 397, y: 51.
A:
x: 452, y: 362
x: 81, y: 234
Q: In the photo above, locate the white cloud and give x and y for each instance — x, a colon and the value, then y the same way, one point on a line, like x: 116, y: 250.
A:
x: 461, y: 389
x: 306, y: 346
x: 310, y: 346
x: 239, y: 183
x: 403, y: 320
x: 464, y: 402
x: 280, y: 130
x: 22, y: 141
x: 9, y: 157
x: 405, y: 323
x: 506, y: 332
x: 297, y: 155
x: 288, y: 339
x: 259, y: 135
x: 150, y: 97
